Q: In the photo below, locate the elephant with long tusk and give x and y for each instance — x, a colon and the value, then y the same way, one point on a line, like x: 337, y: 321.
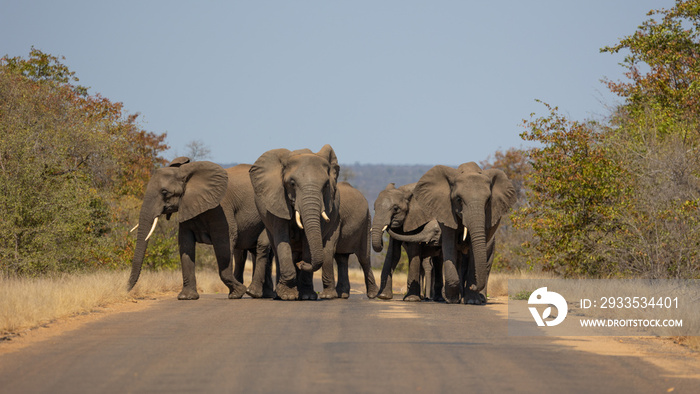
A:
x: 297, y: 199
x: 214, y: 206
x: 468, y: 202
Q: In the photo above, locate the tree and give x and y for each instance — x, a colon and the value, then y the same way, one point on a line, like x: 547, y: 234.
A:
x: 670, y: 50
x: 69, y: 165
x: 197, y: 150
x: 575, y: 192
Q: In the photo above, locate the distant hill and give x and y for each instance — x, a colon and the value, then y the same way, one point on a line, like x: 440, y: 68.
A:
x: 371, y: 179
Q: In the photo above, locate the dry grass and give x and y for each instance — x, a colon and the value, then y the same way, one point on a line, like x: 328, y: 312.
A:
x: 32, y: 302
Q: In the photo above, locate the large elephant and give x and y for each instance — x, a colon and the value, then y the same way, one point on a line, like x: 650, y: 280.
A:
x: 297, y: 199
x: 216, y: 207
x: 468, y: 203
x: 411, y: 226
x: 353, y: 238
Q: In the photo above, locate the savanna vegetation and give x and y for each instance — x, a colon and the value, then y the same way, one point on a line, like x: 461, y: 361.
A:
x: 617, y: 197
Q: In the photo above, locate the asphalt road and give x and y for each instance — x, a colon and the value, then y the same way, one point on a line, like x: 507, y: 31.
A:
x: 216, y: 345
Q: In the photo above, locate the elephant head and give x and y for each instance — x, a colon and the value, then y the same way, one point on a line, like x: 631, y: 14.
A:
x: 299, y: 186
x: 187, y: 188
x: 396, y: 209
x: 429, y: 234
x: 469, y: 201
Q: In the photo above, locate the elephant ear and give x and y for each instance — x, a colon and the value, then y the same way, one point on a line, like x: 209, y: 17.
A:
x: 502, y: 193
x: 417, y: 215
x: 178, y: 161
x: 433, y: 193
x: 266, y: 177
x: 327, y: 153
x: 205, y: 186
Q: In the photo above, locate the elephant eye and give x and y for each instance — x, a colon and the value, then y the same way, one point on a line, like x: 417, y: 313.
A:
x: 292, y: 183
x: 396, y: 209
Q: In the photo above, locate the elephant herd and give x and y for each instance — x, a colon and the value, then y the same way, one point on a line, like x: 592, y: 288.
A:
x: 289, y: 205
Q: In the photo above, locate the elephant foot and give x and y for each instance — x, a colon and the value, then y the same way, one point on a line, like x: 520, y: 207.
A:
x: 255, y: 291
x: 386, y: 295
x: 329, y: 294
x: 308, y: 296
x: 269, y: 294
x: 237, y: 293
x: 188, y: 294
x: 372, y: 291
x: 474, y: 298
x: 439, y: 298
x: 412, y: 298
x: 452, y: 296
x: 343, y: 293
x: 286, y: 293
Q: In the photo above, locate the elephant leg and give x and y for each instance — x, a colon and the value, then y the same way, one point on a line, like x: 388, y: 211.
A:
x: 187, y: 255
x: 306, y: 286
x: 370, y: 283
x: 343, y: 286
x: 327, y: 275
x: 287, y: 278
x: 414, y: 266
x: 261, y: 285
x: 393, y: 255
x: 428, y: 282
x: 256, y: 283
x: 437, y: 279
x: 268, y: 284
x: 239, y: 260
x: 264, y: 258
x: 453, y: 283
x: 223, y: 259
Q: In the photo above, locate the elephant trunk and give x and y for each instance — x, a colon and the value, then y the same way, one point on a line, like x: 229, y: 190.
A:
x: 422, y: 236
x: 379, y: 224
x: 149, y: 213
x: 311, y: 209
x: 474, y: 221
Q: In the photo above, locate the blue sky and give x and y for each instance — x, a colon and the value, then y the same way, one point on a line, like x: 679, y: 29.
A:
x: 393, y: 82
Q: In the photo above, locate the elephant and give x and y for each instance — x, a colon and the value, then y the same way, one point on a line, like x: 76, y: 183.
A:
x: 353, y: 238
x: 296, y: 194
x: 215, y: 207
x: 468, y: 202
x: 410, y: 226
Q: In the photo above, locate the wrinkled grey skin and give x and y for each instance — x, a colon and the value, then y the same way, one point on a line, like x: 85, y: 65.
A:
x: 470, y: 198
x: 215, y: 207
x: 355, y: 221
x: 286, y: 182
x: 396, y: 210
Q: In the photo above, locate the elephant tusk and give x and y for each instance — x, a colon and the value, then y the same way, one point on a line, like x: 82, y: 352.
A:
x: 325, y: 216
x: 464, y: 236
x: 135, y: 227
x: 298, y: 218
x: 384, y: 228
x: 153, y: 228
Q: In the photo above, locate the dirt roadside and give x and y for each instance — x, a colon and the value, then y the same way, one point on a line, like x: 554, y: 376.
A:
x: 677, y: 360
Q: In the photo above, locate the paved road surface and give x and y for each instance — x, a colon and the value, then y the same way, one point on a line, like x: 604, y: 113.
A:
x: 216, y: 345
